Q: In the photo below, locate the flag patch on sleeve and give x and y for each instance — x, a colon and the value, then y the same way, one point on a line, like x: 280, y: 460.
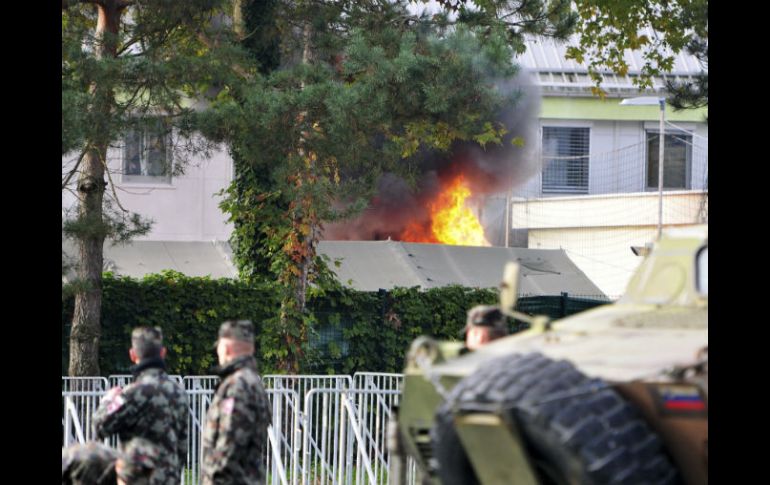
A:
x: 680, y: 399
x: 227, y: 405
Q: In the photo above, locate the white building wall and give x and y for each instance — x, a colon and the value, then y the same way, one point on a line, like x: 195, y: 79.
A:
x: 597, y: 231
x: 608, y: 265
x: 617, y: 162
x: 618, y: 156
x: 187, y: 209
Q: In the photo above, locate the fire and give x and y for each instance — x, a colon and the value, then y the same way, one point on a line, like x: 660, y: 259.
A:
x: 451, y: 221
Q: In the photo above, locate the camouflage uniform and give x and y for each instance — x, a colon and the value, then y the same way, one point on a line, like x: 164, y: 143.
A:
x: 91, y: 463
x: 235, y: 436
x: 154, y: 407
x: 137, y: 462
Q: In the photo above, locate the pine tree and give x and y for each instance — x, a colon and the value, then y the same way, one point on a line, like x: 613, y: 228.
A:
x: 124, y: 63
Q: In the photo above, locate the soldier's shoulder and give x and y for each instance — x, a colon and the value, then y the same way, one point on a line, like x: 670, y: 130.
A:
x: 146, y: 386
x: 242, y: 380
x: 171, y: 384
x: 147, y: 380
x: 249, y: 376
x: 136, y: 387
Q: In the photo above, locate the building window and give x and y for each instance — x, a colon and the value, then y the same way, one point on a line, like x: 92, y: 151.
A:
x: 677, y: 155
x: 147, y: 154
x: 565, y: 160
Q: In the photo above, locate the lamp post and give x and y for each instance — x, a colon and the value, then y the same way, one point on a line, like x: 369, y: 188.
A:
x: 651, y: 101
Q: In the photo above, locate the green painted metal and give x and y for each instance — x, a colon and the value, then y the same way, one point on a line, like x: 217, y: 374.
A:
x: 415, y: 416
x: 495, y: 449
x: 610, y: 109
x: 665, y: 308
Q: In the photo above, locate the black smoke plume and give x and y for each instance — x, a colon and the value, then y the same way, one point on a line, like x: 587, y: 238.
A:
x: 491, y: 170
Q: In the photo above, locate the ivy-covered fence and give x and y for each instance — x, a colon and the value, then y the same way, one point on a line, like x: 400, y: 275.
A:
x: 354, y: 331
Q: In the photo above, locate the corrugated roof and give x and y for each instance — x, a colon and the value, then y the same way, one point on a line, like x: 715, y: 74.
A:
x: 370, y: 265
x: 140, y: 258
x: 545, y: 54
x: 545, y: 59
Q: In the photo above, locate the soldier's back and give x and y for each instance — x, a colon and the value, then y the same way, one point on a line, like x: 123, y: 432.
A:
x: 164, y: 423
x: 154, y: 407
x: 235, y: 437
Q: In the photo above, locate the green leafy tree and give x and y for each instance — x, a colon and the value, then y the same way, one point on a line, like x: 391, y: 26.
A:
x: 606, y: 29
x: 343, y: 92
x: 659, y: 30
x: 124, y: 63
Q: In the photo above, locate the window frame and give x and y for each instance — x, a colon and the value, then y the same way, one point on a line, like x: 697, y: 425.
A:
x: 688, y: 158
x: 164, y: 181
x: 698, y: 271
x: 586, y: 190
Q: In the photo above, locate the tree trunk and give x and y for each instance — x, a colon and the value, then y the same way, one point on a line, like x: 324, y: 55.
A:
x: 86, y: 319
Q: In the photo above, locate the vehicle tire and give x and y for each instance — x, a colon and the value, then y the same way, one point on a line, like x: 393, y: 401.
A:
x: 576, y: 430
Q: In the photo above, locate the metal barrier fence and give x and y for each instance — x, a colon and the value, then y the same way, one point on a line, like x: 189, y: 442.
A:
x: 378, y: 380
x: 325, y: 429
x: 84, y: 384
x: 344, y: 436
x: 122, y: 380
x: 200, y: 382
x: 302, y: 384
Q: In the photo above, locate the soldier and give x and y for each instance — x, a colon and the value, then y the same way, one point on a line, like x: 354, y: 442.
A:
x: 95, y: 463
x: 154, y: 407
x: 485, y: 323
x: 92, y: 463
x: 236, y: 425
x: 137, y: 463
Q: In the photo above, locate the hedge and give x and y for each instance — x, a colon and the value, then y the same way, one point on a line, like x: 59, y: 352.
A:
x: 354, y: 330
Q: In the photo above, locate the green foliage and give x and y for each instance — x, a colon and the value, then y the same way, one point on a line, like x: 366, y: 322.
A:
x: 361, y: 89
x: 120, y: 64
x: 189, y: 310
x: 692, y: 94
x: 154, y: 61
x: 358, y: 331
x: 608, y: 28
x: 515, y: 18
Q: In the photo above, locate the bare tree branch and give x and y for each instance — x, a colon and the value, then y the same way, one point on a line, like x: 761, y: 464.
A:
x: 112, y: 184
x: 75, y: 168
x: 127, y: 45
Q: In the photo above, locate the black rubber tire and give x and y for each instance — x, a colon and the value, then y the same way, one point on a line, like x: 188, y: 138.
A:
x: 574, y: 437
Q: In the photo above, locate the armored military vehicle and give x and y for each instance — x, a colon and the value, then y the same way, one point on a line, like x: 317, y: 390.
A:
x: 616, y: 394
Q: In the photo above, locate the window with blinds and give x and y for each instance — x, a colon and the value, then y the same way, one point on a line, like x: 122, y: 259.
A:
x: 565, y: 160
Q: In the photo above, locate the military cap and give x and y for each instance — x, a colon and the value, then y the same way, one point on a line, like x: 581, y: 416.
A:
x: 138, y: 460
x: 147, y: 335
x: 242, y: 330
x: 486, y: 316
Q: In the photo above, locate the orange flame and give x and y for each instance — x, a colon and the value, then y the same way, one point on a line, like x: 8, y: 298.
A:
x: 451, y: 221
